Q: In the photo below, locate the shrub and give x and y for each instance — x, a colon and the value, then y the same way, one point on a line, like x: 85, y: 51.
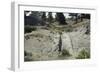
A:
x: 27, y: 53
x: 65, y: 53
x: 83, y: 54
x: 27, y: 56
x: 29, y: 29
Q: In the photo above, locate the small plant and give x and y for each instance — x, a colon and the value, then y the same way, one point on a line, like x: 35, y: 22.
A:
x: 27, y: 56
x: 27, y: 53
x: 83, y: 54
x: 29, y: 29
x: 65, y: 52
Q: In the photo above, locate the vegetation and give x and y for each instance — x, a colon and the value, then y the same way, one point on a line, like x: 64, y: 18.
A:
x: 61, y: 18
x: 88, y: 30
x: 29, y: 29
x: 65, y: 52
x: 54, y: 32
x: 50, y: 17
x: 28, y: 56
x: 83, y: 54
x: 44, y: 16
x: 74, y: 15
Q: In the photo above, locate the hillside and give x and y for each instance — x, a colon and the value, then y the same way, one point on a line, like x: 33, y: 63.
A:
x: 42, y: 43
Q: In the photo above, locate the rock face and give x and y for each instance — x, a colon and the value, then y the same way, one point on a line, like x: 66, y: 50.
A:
x: 43, y: 43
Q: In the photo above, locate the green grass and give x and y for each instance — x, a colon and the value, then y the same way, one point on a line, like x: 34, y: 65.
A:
x: 83, y: 54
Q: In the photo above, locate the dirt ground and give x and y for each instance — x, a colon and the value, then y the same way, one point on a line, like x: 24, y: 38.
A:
x: 42, y: 44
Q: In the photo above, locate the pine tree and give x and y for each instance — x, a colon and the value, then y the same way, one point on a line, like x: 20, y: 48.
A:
x: 44, y: 16
x: 74, y: 15
x: 50, y: 17
x: 60, y: 18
